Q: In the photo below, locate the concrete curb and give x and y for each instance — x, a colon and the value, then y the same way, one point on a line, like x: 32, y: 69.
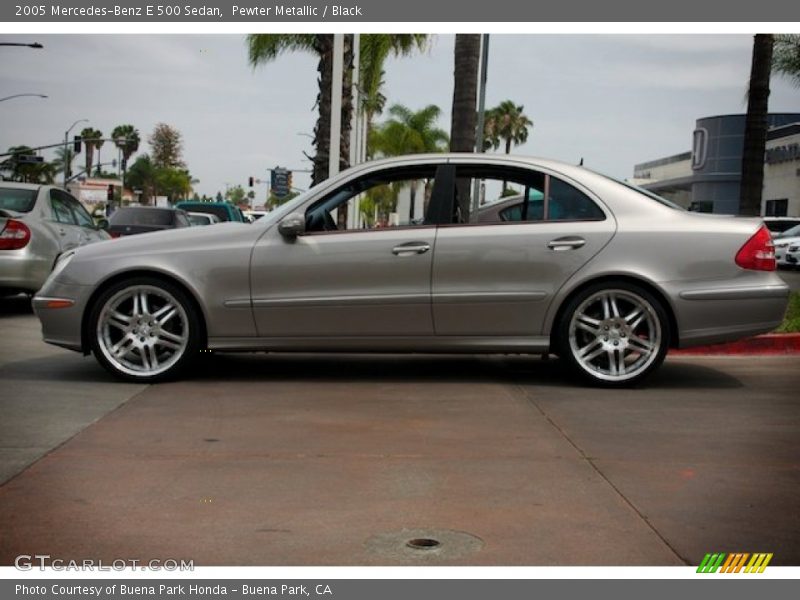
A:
x: 771, y: 343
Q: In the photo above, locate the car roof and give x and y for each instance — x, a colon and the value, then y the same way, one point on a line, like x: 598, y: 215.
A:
x: 20, y: 185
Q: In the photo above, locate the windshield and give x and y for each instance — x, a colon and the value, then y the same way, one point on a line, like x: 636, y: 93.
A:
x: 17, y: 200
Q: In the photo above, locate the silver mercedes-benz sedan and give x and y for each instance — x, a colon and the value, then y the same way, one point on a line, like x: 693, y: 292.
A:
x: 395, y: 256
x: 38, y: 223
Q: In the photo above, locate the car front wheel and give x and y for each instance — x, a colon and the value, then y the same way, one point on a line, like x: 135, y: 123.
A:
x: 144, y: 330
x: 614, y: 334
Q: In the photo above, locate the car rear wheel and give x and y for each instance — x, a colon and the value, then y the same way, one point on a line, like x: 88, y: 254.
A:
x: 144, y: 329
x: 614, y: 334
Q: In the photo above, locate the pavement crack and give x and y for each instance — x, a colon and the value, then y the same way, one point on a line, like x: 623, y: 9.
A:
x: 590, y: 461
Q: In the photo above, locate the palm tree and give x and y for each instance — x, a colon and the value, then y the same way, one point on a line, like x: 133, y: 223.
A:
x: 755, y: 129
x: 90, y: 139
x: 42, y: 172
x: 508, y: 122
x: 64, y: 156
x: 786, y: 57
x: 409, y: 132
x: 465, y: 92
x: 126, y: 138
x: 375, y: 48
x: 264, y: 48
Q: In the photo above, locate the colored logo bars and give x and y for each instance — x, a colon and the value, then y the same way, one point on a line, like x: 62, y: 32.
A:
x: 734, y: 563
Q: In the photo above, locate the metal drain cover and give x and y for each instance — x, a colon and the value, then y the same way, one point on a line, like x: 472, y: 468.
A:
x: 415, y: 545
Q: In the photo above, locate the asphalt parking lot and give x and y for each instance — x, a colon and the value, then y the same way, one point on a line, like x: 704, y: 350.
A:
x: 340, y: 460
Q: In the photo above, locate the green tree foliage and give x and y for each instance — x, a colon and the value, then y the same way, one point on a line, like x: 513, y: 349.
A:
x: 166, y: 146
x: 173, y: 182
x: 14, y: 170
x: 374, y: 49
x: 786, y: 57
x: 235, y: 195
x: 506, y: 123
x: 409, y: 132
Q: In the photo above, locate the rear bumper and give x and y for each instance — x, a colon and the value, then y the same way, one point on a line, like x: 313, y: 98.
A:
x: 729, y: 313
x: 21, y: 270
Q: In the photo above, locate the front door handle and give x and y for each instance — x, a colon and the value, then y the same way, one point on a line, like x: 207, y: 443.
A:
x: 570, y: 242
x: 410, y: 248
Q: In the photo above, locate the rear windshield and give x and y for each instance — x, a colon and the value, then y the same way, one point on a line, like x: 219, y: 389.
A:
x: 642, y: 191
x: 141, y: 216
x: 17, y: 200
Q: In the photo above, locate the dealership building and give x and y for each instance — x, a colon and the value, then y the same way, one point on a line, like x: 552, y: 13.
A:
x: 707, y: 178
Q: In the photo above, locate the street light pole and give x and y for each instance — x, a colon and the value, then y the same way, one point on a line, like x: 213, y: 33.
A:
x: 20, y: 95
x: 66, y: 140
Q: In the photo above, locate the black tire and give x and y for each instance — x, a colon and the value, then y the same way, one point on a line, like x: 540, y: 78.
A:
x: 185, y: 324
x: 575, y: 343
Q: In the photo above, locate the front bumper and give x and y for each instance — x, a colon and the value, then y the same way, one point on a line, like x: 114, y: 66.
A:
x: 62, y: 326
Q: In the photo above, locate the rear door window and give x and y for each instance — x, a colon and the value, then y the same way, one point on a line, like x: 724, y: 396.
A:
x: 59, y: 201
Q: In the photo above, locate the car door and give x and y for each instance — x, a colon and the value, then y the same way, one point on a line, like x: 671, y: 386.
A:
x: 498, y: 277
x: 68, y: 233
x: 364, y: 279
x: 88, y: 233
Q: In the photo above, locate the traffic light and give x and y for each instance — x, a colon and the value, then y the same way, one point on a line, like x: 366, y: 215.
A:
x: 251, y: 181
x: 76, y: 144
x: 289, y: 181
x: 110, y: 193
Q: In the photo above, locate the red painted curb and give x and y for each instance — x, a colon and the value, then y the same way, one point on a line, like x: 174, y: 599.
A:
x: 771, y: 343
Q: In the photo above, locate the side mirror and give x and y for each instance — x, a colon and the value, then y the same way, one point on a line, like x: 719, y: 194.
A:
x: 292, y: 225
x: 103, y: 224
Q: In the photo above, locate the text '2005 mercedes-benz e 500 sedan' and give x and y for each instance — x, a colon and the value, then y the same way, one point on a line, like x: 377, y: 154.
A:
x: 428, y: 254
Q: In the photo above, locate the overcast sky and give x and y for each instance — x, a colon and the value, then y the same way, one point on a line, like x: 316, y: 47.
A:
x: 614, y: 100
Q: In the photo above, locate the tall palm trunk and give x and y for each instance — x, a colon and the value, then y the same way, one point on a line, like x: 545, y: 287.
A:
x: 322, y: 130
x: 465, y: 94
x: 755, y: 129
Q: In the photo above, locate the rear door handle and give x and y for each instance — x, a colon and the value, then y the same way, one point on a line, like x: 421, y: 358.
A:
x: 411, y: 248
x: 571, y: 242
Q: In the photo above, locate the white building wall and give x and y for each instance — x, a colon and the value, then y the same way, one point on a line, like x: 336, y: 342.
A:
x: 782, y: 173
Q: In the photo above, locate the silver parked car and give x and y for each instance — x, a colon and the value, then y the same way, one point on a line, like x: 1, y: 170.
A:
x: 601, y: 273
x: 38, y: 223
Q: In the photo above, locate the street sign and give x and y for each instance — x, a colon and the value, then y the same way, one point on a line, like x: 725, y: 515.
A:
x: 29, y: 159
x: 281, y: 182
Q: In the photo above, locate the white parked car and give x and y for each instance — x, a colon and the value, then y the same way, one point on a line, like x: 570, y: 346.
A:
x: 783, y: 242
x: 198, y: 219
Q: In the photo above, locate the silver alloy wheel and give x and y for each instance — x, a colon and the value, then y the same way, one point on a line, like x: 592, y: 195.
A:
x: 142, y: 330
x: 615, y: 335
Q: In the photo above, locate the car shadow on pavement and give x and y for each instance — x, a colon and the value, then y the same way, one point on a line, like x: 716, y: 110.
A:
x: 523, y: 370
x: 13, y: 306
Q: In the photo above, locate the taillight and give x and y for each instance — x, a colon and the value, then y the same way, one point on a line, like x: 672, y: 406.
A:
x: 114, y: 234
x: 15, y: 235
x: 758, y: 253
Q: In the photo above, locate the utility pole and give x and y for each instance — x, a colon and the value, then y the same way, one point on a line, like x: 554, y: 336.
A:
x: 476, y: 186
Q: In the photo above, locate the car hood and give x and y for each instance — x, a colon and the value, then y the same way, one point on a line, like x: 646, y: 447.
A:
x: 168, y: 240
